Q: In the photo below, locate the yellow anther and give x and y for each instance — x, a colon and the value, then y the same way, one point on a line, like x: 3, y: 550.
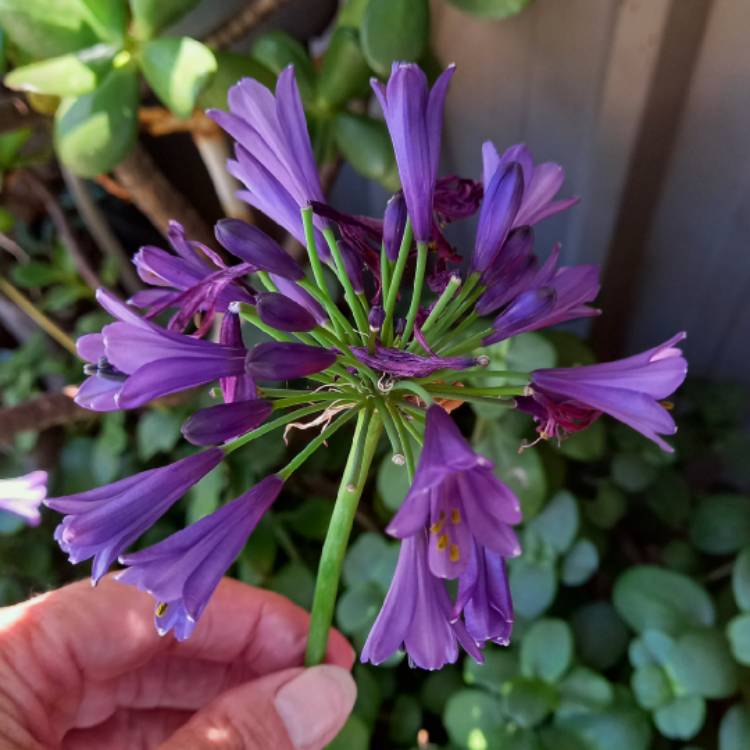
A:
x: 161, y: 608
x: 455, y: 553
x: 455, y: 516
x: 437, y: 527
x: 442, y: 542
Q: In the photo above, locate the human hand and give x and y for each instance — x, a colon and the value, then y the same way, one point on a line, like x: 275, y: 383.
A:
x: 84, y: 669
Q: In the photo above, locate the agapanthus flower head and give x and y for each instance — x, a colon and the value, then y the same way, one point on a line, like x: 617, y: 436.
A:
x: 564, y: 400
x: 413, y: 114
x: 183, y: 571
x: 23, y: 496
x: 103, y: 522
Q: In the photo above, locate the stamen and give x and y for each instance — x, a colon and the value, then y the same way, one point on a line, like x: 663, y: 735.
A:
x: 442, y: 542
x: 455, y: 553
x: 161, y: 608
x: 437, y: 527
x: 668, y: 405
x: 455, y: 516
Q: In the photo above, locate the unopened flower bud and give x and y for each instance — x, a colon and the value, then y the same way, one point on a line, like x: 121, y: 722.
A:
x: 376, y: 317
x: 394, y: 222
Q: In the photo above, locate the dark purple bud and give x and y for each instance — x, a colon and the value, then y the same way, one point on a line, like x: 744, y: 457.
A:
x: 284, y: 314
x: 353, y: 266
x: 294, y: 291
x: 394, y: 221
x: 399, y: 326
x: 514, y: 253
x: 278, y: 360
x: 255, y: 247
x: 376, y: 317
x: 526, y: 308
x: 217, y: 424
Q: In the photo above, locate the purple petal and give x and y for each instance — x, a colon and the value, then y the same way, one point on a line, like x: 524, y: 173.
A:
x: 277, y: 360
x: 218, y: 424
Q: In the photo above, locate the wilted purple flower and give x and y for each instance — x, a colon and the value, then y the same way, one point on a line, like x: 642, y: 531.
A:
x: 183, y: 571
x: 22, y: 496
x: 565, y: 400
x: 101, y: 523
x: 416, y: 615
x: 456, y: 198
x: 458, y: 498
x: 414, y: 115
x: 284, y: 314
x: 514, y: 264
x: 275, y: 160
x: 404, y: 364
x: 541, y: 183
x: 279, y: 360
x: 255, y: 247
x: 394, y: 222
x: 215, y: 425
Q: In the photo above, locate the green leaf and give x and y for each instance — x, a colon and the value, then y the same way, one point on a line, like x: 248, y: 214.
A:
x: 35, y: 274
x: 473, y: 719
x: 557, y: 524
x: 354, y: 735
x: 531, y: 351
x: 491, y: 8
x: 620, y: 728
x: 738, y: 632
x: 534, y: 585
x: 647, y: 596
x: 681, y: 719
x: 158, y: 432
x: 352, y: 12
x: 358, y: 607
x: 734, y: 730
x: 177, y: 69
x: 203, y: 497
x: 547, y: 650
x: 258, y: 556
x: 392, y: 483
x: 601, y: 636
x: 230, y: 67
x: 11, y: 143
x: 108, y: 18
x: 296, y: 582
x: 277, y: 50
x: 651, y: 686
x: 394, y: 30
x: 720, y: 524
x: 344, y: 73
x: 701, y: 664
x: 583, y: 691
x: 741, y: 580
x: 608, y: 507
x: 580, y: 563
x: 68, y: 75
x: 366, y: 145
x: 405, y: 719
x: 500, y: 666
x: 438, y: 686
x: 151, y: 16
x: 94, y: 132
x: 631, y: 472
x: 311, y: 518
x: 370, y: 559
x: 528, y: 701
x: 586, y: 445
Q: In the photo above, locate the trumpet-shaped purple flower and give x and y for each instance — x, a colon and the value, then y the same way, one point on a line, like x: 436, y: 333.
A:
x: 278, y: 360
x: 101, y: 523
x: 541, y: 183
x: 404, y: 364
x: 183, y: 571
x: 22, y: 496
x: 565, y: 400
x: 215, y: 425
x: 274, y: 157
x: 413, y: 115
x: 235, y: 387
x: 284, y: 314
x: 457, y: 498
x: 102, y: 386
x: 416, y: 615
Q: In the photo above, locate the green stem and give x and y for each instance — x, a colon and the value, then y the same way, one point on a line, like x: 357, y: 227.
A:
x: 312, y: 248
x: 337, y: 538
x: 415, y: 388
x: 435, y: 314
x: 416, y: 295
x: 385, y: 273
x: 339, y: 322
x: 251, y: 316
x: 504, y: 390
x: 404, y: 437
x: 395, y: 283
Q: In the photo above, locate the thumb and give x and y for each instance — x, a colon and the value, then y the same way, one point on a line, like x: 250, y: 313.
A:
x: 297, y: 709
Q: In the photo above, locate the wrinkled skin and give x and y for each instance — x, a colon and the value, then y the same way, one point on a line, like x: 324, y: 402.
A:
x: 83, y: 669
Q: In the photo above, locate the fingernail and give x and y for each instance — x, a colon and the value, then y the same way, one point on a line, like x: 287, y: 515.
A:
x: 316, y: 704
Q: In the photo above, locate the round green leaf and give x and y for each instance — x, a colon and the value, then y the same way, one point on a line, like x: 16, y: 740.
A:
x: 362, y: 556
x: 203, y: 498
x: 701, y: 664
x: 277, y: 50
x: 500, y: 666
x: 394, y: 30
x: 491, y: 8
x: 366, y: 145
x: 608, y: 507
x: 311, y: 518
x: 528, y: 701
x: 651, y: 686
x: 632, y: 472
x: 734, y: 730
x: 647, y: 596
x: 583, y: 691
x: 586, y: 445
x: 296, y: 582
x: 738, y: 632
x: 601, y: 636
x: 151, y: 16
x: 621, y: 728
x: 547, y: 650
x: 392, y: 483
x: 531, y: 351
x: 720, y: 524
x: 534, y: 585
x: 358, y: 607
x: 681, y: 719
x: 344, y: 72
x: 473, y: 718
x: 354, y: 735
x: 94, y: 132
x: 438, y: 687
x: 741, y: 579
x: 557, y: 524
x: 580, y: 563
x: 177, y: 69
x: 230, y: 67
x: 158, y: 432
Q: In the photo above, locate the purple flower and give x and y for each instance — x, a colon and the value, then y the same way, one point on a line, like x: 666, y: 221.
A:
x: 404, y: 364
x: 414, y: 115
x: 541, y: 183
x: 215, y: 425
x: 284, y: 314
x: 416, y: 616
x: 295, y: 292
x: 394, y: 222
x: 196, y: 281
x: 513, y: 267
x: 456, y: 496
x: 255, y: 247
x: 102, y: 386
x: 235, y: 387
x: 274, y: 157
x: 278, y: 360
x: 101, y: 523
x: 456, y: 198
x: 182, y: 572
x: 22, y: 496
x: 155, y: 362
x: 566, y: 400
